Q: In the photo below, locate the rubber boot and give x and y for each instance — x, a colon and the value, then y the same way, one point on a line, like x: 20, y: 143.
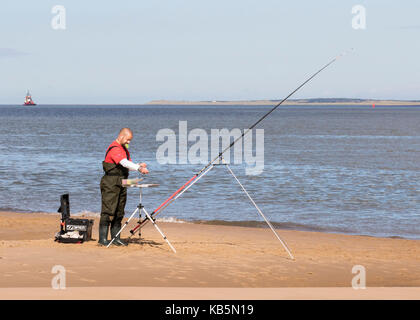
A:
x: 103, y: 235
x: 117, y: 241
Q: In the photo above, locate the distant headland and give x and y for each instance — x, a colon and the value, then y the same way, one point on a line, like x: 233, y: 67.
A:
x: 303, y: 102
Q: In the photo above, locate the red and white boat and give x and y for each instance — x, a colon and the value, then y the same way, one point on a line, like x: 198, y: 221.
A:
x: 28, y: 100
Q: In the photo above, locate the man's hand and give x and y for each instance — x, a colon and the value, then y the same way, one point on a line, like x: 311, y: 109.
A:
x: 142, y: 165
x: 143, y: 170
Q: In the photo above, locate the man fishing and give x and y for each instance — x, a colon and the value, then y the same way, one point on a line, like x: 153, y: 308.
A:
x: 116, y: 167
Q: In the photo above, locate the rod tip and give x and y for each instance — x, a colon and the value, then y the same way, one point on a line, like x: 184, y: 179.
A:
x: 345, y: 53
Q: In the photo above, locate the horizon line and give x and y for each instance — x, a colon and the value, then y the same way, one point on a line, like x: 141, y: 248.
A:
x: 299, y: 101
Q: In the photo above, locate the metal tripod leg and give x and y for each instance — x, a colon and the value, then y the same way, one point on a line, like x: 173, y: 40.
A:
x: 260, y: 212
x: 157, y: 228
x: 125, y: 224
x: 139, y: 228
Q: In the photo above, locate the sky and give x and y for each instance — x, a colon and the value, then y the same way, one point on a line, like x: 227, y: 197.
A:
x: 132, y: 52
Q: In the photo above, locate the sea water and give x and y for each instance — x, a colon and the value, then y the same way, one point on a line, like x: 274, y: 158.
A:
x: 344, y: 169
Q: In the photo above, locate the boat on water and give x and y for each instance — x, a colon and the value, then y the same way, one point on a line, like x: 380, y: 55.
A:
x: 28, y: 100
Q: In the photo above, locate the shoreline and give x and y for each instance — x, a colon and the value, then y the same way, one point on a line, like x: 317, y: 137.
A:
x: 281, y: 226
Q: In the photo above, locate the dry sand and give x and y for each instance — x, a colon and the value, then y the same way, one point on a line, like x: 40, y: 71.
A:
x: 212, y: 262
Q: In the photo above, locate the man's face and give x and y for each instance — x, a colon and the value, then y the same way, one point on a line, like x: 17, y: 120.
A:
x: 127, y: 139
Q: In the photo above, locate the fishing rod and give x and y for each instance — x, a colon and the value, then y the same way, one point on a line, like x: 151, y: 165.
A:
x: 210, y: 165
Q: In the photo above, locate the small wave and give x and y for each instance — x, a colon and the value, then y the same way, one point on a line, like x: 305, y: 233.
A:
x: 171, y: 220
x: 86, y: 213
x: 276, y: 225
x: 11, y: 209
x: 295, y: 226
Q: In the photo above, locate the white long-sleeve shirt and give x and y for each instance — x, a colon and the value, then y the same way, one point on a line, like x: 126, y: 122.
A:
x: 129, y: 165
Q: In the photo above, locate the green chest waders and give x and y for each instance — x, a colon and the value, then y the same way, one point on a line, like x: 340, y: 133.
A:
x: 114, y: 198
x: 113, y: 194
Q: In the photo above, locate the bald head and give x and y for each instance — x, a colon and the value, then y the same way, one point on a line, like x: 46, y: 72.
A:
x: 125, y: 136
x: 125, y: 131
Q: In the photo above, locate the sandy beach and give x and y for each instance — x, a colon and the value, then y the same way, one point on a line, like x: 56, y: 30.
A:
x: 212, y: 262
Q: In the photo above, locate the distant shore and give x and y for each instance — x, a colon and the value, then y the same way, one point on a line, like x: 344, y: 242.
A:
x: 295, y: 102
